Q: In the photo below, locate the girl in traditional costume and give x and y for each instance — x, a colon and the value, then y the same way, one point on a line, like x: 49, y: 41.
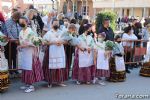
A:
x: 4, y: 79
x: 29, y: 61
x: 101, y: 60
x: 72, y: 41
x: 145, y: 69
x: 54, y: 64
x: 117, y: 64
x: 83, y: 68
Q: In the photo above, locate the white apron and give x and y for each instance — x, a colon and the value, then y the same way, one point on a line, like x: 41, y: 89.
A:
x: 147, y: 56
x: 85, y: 59
x: 120, y: 65
x: 41, y: 55
x: 56, y: 57
x: 26, y: 58
x: 102, y: 61
x: 3, y: 62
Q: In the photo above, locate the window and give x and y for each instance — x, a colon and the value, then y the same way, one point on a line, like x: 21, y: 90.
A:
x: 84, y: 10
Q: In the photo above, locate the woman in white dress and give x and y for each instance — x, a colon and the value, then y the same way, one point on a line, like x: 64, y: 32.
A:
x: 83, y: 68
x: 29, y: 61
x: 54, y: 64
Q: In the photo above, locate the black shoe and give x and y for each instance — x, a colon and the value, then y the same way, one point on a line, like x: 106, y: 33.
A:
x: 128, y: 71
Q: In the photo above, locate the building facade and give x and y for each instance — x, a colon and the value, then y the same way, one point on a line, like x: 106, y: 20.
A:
x: 84, y: 7
x: 139, y: 8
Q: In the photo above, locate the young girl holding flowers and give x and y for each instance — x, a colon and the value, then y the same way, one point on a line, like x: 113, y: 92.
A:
x: 29, y: 61
x: 101, y: 60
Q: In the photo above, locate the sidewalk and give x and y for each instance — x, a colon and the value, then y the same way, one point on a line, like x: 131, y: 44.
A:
x: 135, y: 84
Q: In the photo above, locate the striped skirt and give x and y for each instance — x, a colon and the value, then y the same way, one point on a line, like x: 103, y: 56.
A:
x: 102, y: 73
x: 85, y: 74
x: 35, y: 75
x: 53, y: 76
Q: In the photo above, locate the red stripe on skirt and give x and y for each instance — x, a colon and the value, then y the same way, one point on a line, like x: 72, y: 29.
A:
x: 53, y: 75
x: 85, y: 74
x: 34, y: 75
x: 102, y: 73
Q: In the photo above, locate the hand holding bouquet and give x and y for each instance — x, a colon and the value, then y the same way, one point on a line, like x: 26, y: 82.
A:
x: 109, y: 45
x: 3, y: 39
x: 37, y: 41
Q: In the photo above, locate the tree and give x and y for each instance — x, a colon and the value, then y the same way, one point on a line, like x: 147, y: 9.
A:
x: 103, y: 15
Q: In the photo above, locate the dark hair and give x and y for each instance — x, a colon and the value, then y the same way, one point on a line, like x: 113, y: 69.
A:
x: 31, y: 6
x: 81, y: 28
x: 22, y: 17
x: 117, y: 37
x: 127, y: 29
x: 106, y: 19
x: 54, y: 20
x: 14, y: 10
x: 84, y: 21
x: 138, y: 25
x: 86, y: 27
x: 16, y: 15
x: 73, y: 21
x: 145, y: 24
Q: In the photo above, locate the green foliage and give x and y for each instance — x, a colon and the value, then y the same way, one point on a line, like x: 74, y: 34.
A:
x: 103, y: 15
x: 109, y: 45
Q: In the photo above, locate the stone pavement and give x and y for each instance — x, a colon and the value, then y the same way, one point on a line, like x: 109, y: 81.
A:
x: 134, y: 85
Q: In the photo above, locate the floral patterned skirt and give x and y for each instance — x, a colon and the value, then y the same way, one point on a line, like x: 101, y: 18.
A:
x: 4, y: 81
x: 145, y: 69
x: 116, y: 76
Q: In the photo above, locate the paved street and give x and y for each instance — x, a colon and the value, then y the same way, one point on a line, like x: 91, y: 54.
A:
x: 135, y: 84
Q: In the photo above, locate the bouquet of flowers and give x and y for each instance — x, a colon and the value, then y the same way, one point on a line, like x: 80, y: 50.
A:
x: 3, y: 39
x: 109, y: 45
x: 70, y: 38
x: 37, y: 41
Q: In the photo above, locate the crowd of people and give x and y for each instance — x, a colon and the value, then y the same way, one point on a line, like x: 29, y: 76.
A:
x: 48, y: 48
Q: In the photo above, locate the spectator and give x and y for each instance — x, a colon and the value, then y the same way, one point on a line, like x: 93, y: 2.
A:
x: 128, y: 46
x: 33, y: 21
x: 81, y: 28
x: 107, y: 29
x: 2, y: 24
x: 13, y: 29
x: 38, y: 19
x: 74, y: 21
x: 48, y: 20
